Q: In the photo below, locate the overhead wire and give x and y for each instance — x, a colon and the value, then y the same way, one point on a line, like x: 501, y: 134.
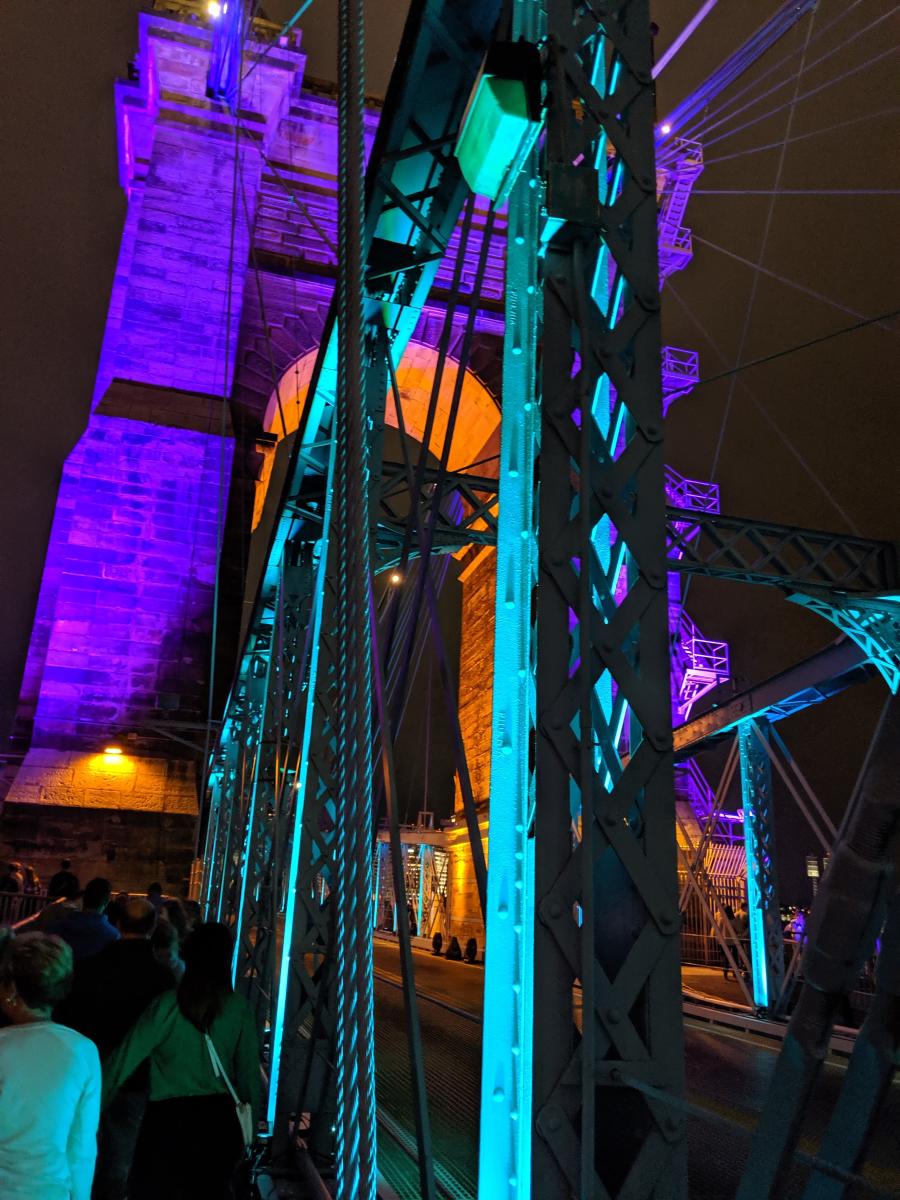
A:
x: 817, y: 341
x: 776, y: 275
x: 283, y: 32
x: 764, y: 243
x: 767, y: 416
x: 796, y: 192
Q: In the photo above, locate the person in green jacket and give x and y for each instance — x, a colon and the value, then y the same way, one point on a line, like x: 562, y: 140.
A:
x: 190, y: 1142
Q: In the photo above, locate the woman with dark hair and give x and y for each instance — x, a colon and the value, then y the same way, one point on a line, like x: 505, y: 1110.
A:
x: 202, y: 1044
x: 49, y: 1077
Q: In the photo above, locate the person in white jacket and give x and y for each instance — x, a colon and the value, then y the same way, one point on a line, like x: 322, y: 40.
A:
x: 49, y: 1077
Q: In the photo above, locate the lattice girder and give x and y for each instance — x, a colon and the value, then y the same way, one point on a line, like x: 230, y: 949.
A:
x: 606, y: 901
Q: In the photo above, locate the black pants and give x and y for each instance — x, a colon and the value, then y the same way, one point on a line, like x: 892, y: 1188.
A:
x: 188, y: 1149
x: 120, y: 1127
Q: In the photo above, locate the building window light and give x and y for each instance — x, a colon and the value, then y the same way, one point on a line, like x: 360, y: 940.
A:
x: 502, y: 120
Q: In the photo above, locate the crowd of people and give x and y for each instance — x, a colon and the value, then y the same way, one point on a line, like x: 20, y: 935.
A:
x: 128, y: 1066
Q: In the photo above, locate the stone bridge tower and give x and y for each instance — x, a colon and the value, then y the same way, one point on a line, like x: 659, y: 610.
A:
x: 222, y: 286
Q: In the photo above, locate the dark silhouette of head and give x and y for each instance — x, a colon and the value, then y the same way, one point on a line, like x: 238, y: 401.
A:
x: 66, y: 864
x: 96, y: 895
x: 155, y: 889
x: 207, y: 973
x: 137, y: 917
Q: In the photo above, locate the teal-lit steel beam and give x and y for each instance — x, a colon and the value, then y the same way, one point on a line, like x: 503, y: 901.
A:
x: 873, y: 622
x: 505, y: 1143
x: 766, y: 937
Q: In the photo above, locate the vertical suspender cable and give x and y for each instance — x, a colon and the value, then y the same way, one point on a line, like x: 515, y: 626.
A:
x: 355, y: 1120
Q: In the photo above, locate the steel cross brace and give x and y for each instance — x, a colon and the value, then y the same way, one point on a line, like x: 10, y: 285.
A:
x: 606, y: 901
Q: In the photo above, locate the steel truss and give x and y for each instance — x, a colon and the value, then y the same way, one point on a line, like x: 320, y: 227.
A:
x: 605, y: 877
x: 750, y: 551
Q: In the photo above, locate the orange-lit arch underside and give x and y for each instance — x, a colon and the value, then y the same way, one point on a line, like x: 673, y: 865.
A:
x: 476, y: 422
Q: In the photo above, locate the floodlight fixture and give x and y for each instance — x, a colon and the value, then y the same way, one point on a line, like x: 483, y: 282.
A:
x: 502, y: 119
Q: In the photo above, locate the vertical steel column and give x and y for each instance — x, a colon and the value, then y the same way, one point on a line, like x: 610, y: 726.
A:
x: 504, y: 1164
x: 355, y: 1130
x: 766, y: 937
x: 606, y: 899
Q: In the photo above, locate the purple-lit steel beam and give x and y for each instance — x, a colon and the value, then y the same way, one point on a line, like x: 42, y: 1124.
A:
x: 691, y: 28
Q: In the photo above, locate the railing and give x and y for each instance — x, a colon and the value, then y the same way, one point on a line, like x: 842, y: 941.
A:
x: 17, y: 906
x: 680, y: 372
x: 696, y: 494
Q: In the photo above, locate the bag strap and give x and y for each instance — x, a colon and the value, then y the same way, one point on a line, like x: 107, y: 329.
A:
x: 218, y: 1069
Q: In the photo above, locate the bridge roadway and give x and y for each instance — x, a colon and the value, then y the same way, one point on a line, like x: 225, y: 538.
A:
x: 727, y: 1076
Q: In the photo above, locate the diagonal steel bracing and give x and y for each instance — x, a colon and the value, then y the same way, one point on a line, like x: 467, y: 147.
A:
x: 751, y: 551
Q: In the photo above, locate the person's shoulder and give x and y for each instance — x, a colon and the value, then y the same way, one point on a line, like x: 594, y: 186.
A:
x: 162, y: 1004
x: 235, y: 1008
x: 59, y: 1040
x: 234, y: 1003
x: 73, y: 1038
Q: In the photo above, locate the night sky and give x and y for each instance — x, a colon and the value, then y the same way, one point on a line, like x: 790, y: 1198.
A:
x: 810, y: 439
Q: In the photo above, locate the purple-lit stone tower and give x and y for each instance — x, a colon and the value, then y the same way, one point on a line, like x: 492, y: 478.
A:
x: 119, y: 658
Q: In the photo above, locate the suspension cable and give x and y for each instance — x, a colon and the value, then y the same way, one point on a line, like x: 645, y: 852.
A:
x: 707, y: 125
x: 764, y: 243
x: 801, y: 137
x: 749, y: 86
x: 221, y: 495
x: 767, y: 416
x: 792, y: 283
x: 826, y: 337
x: 870, y: 62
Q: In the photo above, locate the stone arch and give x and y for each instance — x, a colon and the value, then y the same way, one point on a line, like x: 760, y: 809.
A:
x: 475, y: 435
